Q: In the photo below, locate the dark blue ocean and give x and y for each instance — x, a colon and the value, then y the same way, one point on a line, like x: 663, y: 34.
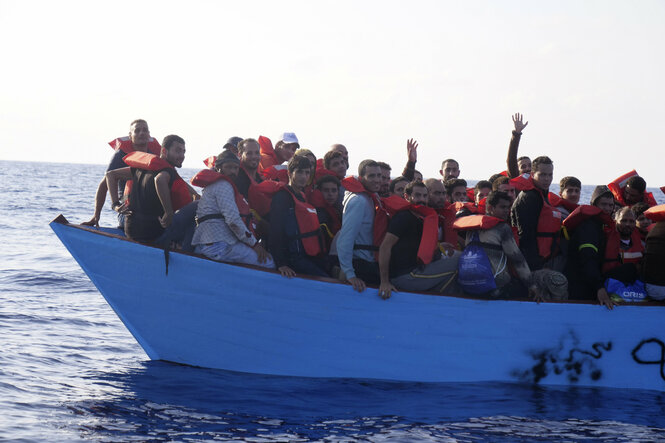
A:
x: 70, y: 371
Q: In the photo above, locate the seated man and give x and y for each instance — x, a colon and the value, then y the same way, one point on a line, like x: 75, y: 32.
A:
x: 328, y: 209
x: 630, y: 188
x: 397, y: 186
x: 223, y: 233
x: 524, y: 165
x: 408, y: 257
x: 248, y: 173
x: 157, y: 193
x: 342, y: 150
x: 283, y: 151
x: 537, y: 221
x: 449, y: 169
x: 437, y: 199
x: 334, y: 161
x: 456, y: 190
x: 138, y: 140
x: 494, y: 235
x: 570, y: 189
x: 384, y: 190
x: 503, y: 184
x: 356, y: 242
x: 623, y: 250
x: 481, y: 190
x: 586, y: 226
x: 642, y: 222
x: 295, y: 238
x: 654, y: 255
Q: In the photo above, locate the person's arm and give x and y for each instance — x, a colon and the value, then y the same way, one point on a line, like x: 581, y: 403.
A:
x: 164, y: 193
x: 590, y: 238
x: 511, y: 161
x: 100, y: 198
x: 192, y: 192
x: 112, y: 178
x: 279, y: 208
x: 351, y: 223
x: 385, y: 251
x: 412, y: 157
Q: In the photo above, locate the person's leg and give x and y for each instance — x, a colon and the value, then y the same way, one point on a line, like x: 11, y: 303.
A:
x: 236, y: 253
x: 437, y: 276
x: 306, y: 265
x: 181, y: 229
x: 367, y: 271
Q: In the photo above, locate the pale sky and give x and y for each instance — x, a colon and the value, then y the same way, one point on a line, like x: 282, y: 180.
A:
x: 587, y: 75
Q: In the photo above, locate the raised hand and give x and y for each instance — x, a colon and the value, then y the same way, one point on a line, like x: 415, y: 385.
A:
x: 412, y: 150
x: 517, y: 120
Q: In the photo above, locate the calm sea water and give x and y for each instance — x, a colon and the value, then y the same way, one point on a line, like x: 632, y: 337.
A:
x: 70, y: 371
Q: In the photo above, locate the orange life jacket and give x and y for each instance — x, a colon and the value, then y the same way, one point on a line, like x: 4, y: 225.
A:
x: 557, y: 200
x: 481, y: 222
x: 655, y: 213
x: 381, y: 216
x: 277, y: 173
x: 207, y: 177
x: 619, y: 184
x: 549, y: 223
x: 319, y: 202
x: 308, y: 224
x: 180, y: 195
x: 615, y: 256
x: 584, y: 212
x: 465, y: 205
x: 446, y: 220
x: 522, y: 182
x: 428, y: 239
x: 470, y: 194
x: 125, y: 145
x: 268, y: 155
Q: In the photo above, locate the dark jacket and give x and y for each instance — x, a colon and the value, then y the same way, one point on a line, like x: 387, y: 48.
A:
x: 654, y: 256
x: 524, y: 216
x: 585, y: 259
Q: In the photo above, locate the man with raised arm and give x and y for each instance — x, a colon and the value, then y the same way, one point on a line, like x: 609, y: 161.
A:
x: 522, y: 165
x: 138, y: 140
x: 356, y: 242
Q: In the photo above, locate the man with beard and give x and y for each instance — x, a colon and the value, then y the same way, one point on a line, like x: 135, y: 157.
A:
x: 248, y: 173
x: 221, y: 233
x: 408, y: 257
x: 157, y: 193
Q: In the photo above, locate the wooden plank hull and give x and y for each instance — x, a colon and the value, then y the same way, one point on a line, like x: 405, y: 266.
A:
x: 218, y: 315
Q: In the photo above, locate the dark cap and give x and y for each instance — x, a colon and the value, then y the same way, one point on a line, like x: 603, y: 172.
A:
x: 600, y: 191
x: 225, y: 157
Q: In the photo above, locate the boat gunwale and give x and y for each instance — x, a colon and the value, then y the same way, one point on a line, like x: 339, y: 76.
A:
x: 62, y: 220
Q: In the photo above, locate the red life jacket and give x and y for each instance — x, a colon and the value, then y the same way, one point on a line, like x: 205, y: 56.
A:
x: 465, y: 205
x: 429, y: 238
x: 180, y: 195
x: 268, y: 155
x: 207, y: 177
x: 308, y: 224
x: 446, y: 220
x: 470, y: 194
x: 381, y: 216
x: 655, y: 213
x: 522, y: 182
x: 476, y: 222
x: 482, y: 205
x: 584, y: 212
x: 319, y: 202
x: 125, y: 145
x: 615, y: 256
x: 277, y: 173
x: 557, y: 200
x: 618, y: 185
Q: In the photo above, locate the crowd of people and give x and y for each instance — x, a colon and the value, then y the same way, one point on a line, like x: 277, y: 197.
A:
x: 279, y: 207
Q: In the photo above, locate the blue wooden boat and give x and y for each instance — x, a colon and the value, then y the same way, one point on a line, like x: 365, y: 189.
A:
x: 195, y: 311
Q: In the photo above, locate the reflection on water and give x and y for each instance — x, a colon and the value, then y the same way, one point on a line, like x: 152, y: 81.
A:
x: 159, y: 400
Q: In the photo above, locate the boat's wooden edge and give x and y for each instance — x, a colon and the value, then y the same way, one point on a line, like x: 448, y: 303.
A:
x: 61, y: 219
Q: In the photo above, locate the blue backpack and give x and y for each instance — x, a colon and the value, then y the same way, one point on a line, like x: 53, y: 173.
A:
x: 475, y: 274
x: 631, y: 292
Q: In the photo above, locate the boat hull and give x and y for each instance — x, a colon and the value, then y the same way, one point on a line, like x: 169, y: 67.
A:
x: 225, y: 316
